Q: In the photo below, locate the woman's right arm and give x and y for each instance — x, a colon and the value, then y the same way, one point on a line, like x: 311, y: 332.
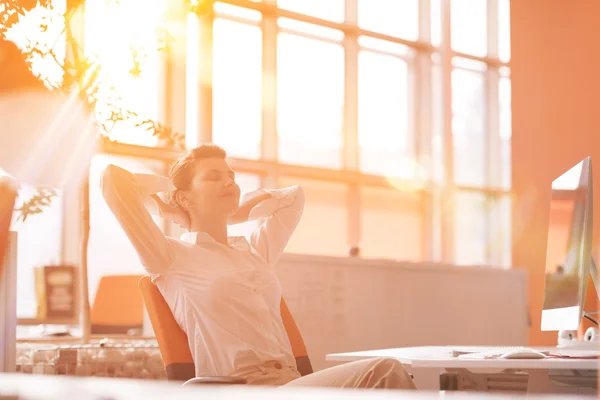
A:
x: 127, y: 195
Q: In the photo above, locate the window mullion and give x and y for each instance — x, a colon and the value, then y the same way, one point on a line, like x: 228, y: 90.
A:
x: 448, y: 193
x: 421, y: 130
x: 203, y: 76
x: 269, y: 142
x: 492, y: 124
x: 351, y: 148
x: 71, y: 220
x: 172, y: 70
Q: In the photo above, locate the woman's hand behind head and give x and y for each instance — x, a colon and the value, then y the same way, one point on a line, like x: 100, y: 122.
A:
x: 174, y: 214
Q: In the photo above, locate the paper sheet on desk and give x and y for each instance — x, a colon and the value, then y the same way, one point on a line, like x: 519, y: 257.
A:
x: 575, y: 353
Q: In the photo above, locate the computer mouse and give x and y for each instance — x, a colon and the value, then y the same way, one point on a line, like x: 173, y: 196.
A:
x: 523, y: 355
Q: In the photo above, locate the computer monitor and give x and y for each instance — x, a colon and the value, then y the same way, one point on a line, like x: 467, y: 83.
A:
x: 569, y: 249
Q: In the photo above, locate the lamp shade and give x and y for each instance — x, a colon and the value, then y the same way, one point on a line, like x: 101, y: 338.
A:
x: 45, y: 139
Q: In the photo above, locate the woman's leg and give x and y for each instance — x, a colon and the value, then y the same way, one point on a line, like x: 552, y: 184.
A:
x: 381, y: 373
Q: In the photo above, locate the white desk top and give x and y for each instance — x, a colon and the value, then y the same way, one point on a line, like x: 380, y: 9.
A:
x: 441, y: 357
x: 45, y: 387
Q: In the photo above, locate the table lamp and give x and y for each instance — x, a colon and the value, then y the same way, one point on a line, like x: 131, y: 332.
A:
x: 46, y: 140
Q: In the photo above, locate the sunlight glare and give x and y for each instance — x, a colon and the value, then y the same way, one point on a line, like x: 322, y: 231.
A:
x: 131, y: 42
x: 406, y: 175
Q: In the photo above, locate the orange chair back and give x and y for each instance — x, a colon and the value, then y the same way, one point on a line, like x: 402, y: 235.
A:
x: 117, y: 292
x: 173, y: 341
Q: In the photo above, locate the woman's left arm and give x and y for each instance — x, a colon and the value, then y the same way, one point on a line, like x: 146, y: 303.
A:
x: 279, y: 211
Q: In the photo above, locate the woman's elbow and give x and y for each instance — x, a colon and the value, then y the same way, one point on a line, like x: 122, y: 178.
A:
x: 111, y: 178
x: 299, y: 197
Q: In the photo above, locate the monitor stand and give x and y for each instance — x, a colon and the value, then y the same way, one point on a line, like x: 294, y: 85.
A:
x: 582, y: 344
x: 594, y: 273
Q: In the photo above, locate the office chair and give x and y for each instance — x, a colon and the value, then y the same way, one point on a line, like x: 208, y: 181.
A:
x: 114, y: 291
x: 173, y: 342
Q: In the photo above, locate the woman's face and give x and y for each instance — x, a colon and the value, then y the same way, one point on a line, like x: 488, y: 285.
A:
x: 213, y: 189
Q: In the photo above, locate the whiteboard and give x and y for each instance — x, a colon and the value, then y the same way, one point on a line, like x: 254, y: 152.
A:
x: 352, y: 304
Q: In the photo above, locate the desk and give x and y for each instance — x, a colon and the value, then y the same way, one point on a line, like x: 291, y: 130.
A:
x: 43, y: 387
x: 428, y: 362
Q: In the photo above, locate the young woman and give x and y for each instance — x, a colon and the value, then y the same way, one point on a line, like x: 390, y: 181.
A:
x: 223, y: 291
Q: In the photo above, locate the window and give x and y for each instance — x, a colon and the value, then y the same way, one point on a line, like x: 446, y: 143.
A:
x: 332, y: 10
x: 334, y: 95
x: 500, y: 232
x: 468, y: 127
x: 323, y: 228
x: 470, y: 228
x: 392, y: 224
x: 310, y: 101
x: 436, y: 22
x: 398, y: 18
x: 483, y: 225
x: 237, y: 74
x: 468, y: 24
x: 504, y: 30
x: 382, y: 112
x: 129, y: 59
x: 39, y: 243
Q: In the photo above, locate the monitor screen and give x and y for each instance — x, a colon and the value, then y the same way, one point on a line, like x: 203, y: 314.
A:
x: 568, y: 253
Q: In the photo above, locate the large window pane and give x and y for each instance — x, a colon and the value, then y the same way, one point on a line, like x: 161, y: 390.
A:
x: 500, y: 232
x: 470, y: 228
x: 129, y: 58
x: 332, y: 10
x: 468, y: 127
x: 310, y: 101
x: 504, y: 30
x: 505, y: 131
x: 110, y: 252
x: 39, y: 241
x: 323, y: 228
x: 392, y: 225
x: 468, y: 21
x: 382, y: 112
x: 398, y: 18
x: 436, y: 22
x: 236, y: 90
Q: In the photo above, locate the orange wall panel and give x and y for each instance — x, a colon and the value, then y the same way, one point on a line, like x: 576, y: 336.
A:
x: 556, y: 108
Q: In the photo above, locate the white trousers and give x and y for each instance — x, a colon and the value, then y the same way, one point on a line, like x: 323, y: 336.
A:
x: 375, y: 373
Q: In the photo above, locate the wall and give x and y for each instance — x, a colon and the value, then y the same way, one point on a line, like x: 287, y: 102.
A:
x: 556, y: 103
x: 347, y: 304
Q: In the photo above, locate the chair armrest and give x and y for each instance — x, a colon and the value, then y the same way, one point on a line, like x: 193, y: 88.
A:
x: 216, y: 380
